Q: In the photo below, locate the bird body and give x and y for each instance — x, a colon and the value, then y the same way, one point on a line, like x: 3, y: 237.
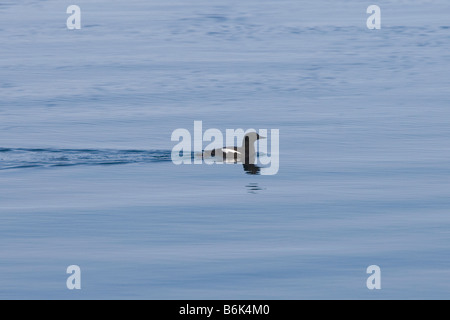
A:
x: 245, y: 154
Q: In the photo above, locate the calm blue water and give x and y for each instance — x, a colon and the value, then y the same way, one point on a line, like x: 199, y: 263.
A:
x: 85, y: 123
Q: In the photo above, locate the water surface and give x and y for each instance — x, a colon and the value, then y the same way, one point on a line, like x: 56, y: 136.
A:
x: 85, y: 123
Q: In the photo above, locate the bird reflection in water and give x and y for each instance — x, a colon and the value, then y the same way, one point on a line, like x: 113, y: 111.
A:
x: 253, y: 188
x: 251, y: 169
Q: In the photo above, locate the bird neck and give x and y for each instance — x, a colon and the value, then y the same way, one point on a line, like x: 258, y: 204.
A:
x: 248, y: 150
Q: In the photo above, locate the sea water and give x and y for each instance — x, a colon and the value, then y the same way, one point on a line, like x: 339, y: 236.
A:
x: 86, y: 118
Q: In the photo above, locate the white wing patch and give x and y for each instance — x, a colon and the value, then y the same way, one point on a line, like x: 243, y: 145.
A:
x: 226, y: 150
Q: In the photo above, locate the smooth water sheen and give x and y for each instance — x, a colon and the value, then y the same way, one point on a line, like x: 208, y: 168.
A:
x: 364, y: 155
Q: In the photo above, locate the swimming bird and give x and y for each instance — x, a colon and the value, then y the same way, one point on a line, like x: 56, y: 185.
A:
x: 245, y: 154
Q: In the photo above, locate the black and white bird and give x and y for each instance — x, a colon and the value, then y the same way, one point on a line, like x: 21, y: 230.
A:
x: 245, y: 154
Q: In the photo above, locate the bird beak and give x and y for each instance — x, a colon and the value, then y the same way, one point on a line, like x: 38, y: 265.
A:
x: 262, y: 138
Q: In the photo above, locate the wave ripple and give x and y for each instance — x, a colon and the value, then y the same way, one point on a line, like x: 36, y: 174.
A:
x: 16, y: 158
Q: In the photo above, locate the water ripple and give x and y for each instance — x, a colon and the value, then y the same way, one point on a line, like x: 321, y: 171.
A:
x: 20, y: 158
